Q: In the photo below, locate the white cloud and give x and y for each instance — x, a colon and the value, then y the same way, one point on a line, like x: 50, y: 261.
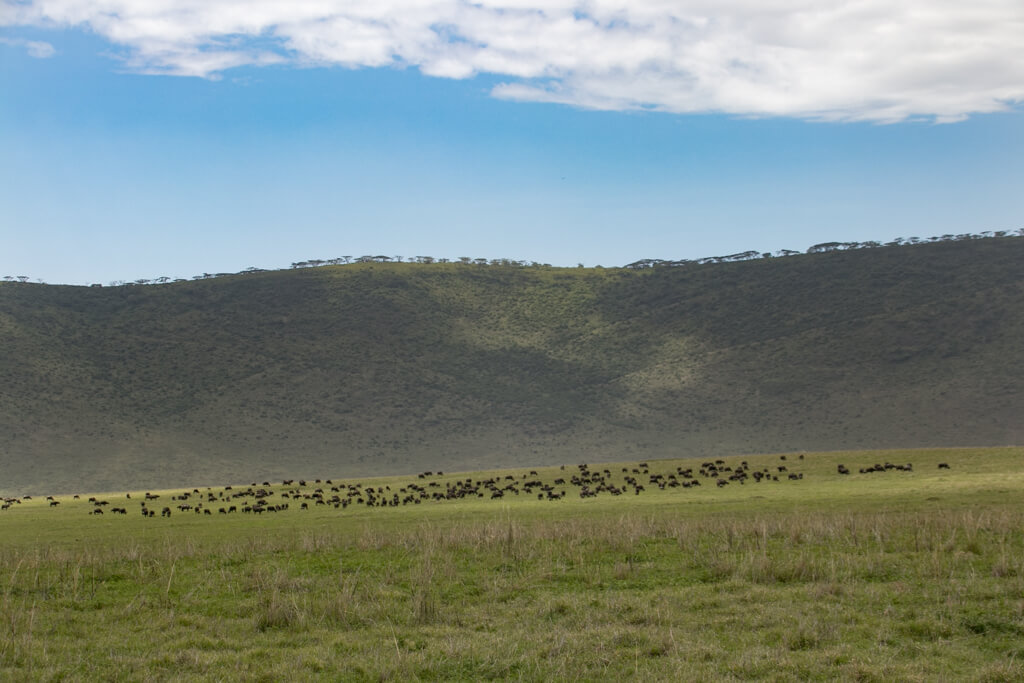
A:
x: 837, y: 60
x: 34, y: 48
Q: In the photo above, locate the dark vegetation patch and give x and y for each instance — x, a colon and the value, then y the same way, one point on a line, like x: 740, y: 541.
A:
x: 380, y: 368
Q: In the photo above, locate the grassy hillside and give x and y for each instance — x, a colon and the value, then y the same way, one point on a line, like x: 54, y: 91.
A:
x: 374, y: 369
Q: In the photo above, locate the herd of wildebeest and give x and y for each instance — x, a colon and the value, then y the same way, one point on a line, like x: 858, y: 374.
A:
x: 582, y: 480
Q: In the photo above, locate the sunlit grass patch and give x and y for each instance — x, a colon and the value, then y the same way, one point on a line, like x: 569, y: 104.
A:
x: 827, y: 576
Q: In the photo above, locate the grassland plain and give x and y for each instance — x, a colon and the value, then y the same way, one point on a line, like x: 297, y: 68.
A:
x: 382, y: 368
x: 889, y: 575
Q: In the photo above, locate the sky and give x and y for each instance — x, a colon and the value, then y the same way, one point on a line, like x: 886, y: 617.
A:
x: 168, y: 138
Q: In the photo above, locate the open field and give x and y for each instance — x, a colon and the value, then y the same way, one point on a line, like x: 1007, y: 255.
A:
x: 890, y: 575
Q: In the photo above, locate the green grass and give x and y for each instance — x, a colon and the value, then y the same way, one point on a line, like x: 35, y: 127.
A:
x: 376, y: 369
x: 884, y: 576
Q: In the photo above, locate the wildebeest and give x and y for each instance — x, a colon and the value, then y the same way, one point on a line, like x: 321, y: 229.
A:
x: 588, y: 483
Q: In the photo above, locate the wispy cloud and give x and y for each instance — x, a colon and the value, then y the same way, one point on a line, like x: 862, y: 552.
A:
x: 838, y: 60
x: 35, y: 48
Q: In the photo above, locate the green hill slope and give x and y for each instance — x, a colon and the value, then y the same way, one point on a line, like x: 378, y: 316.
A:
x: 392, y: 368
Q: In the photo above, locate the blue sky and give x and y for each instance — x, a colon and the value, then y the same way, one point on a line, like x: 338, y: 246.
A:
x: 126, y: 155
